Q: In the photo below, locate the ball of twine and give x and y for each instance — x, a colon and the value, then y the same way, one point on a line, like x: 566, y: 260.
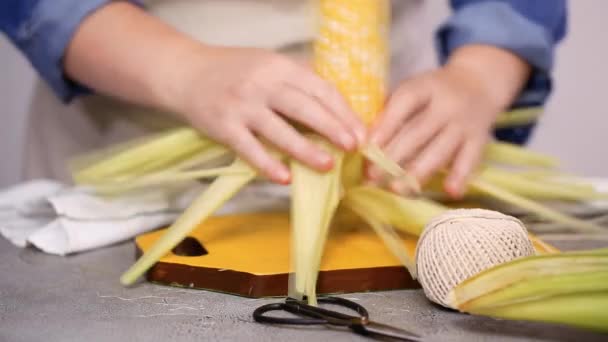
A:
x: 464, y: 242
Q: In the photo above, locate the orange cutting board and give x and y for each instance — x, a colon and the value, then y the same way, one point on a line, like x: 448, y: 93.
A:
x: 248, y: 255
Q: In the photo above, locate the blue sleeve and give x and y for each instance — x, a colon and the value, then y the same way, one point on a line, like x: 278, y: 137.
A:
x: 530, y: 29
x: 42, y: 30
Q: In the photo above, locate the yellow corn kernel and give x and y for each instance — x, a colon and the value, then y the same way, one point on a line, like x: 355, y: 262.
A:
x: 351, y: 51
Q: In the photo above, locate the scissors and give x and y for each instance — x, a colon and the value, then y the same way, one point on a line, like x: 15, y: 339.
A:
x: 311, y: 315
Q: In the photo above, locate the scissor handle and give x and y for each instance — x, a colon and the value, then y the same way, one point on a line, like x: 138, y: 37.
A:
x: 362, y: 316
x: 313, y: 315
x: 259, y: 315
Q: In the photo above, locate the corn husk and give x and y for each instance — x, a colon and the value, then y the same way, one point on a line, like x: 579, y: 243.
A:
x: 568, y: 288
x: 513, y: 155
x: 519, y: 117
x: 311, y: 214
x: 218, y: 193
x: 168, y: 149
x: 575, y: 224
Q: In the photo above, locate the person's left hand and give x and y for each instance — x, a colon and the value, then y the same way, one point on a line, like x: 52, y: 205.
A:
x: 443, y: 118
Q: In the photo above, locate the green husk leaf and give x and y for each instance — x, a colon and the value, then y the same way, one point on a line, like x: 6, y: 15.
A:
x: 150, y: 155
x: 155, y: 180
x: 352, y: 170
x: 538, y: 189
x: 510, y: 154
x: 218, y: 193
x: 565, y: 282
x: 215, y: 155
x: 501, y: 194
x: 406, y: 214
x: 377, y: 156
x: 502, y: 276
x: 518, y: 117
x: 311, y: 215
x: 386, y: 232
x: 585, y: 310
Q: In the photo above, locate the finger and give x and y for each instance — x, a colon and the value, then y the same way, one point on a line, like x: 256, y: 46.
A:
x: 437, y: 154
x: 328, y: 96
x: 287, y: 139
x: 299, y: 107
x: 372, y: 173
x: 466, y: 161
x: 409, y: 99
x: 412, y: 136
x: 247, y: 146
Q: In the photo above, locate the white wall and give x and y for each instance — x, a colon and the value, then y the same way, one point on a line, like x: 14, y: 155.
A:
x: 574, y: 129
x: 16, y: 78
x: 576, y: 125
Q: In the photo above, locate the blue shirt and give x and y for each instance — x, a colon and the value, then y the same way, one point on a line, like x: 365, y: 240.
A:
x: 42, y: 29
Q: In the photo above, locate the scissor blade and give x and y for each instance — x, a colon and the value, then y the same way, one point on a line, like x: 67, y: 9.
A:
x: 384, y: 330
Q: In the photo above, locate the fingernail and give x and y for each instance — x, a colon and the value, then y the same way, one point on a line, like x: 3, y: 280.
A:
x: 455, y: 189
x: 324, y: 160
x: 417, y: 173
x: 347, y: 141
x: 374, y: 139
x: 361, y: 136
x: 373, y: 174
x: 283, y: 175
x: 400, y: 188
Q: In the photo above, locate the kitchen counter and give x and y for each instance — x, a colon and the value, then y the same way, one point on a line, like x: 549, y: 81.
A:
x: 79, y: 298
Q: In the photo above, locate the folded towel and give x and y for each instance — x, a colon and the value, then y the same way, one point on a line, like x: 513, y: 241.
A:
x: 59, y: 219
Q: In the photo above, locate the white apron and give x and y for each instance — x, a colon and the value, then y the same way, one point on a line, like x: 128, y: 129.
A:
x: 56, y: 132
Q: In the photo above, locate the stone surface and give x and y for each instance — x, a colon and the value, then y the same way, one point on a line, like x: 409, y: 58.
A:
x: 79, y: 298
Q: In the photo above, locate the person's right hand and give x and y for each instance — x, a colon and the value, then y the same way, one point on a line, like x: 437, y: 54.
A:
x: 241, y: 97
x: 237, y: 96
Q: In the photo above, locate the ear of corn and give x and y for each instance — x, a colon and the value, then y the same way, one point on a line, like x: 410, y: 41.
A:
x: 568, y: 288
x: 351, y: 52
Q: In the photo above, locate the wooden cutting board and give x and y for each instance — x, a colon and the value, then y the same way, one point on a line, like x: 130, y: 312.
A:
x: 248, y: 255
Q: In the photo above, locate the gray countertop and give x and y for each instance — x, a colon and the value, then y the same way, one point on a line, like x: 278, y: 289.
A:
x: 78, y: 298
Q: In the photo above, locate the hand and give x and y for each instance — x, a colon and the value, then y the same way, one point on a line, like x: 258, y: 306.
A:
x: 241, y: 96
x: 444, y: 118
x: 236, y: 96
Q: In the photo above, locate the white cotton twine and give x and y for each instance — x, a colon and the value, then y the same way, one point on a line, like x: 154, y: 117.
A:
x: 464, y: 242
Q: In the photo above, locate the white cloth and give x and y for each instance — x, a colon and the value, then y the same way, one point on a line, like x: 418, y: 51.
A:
x: 62, y: 220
